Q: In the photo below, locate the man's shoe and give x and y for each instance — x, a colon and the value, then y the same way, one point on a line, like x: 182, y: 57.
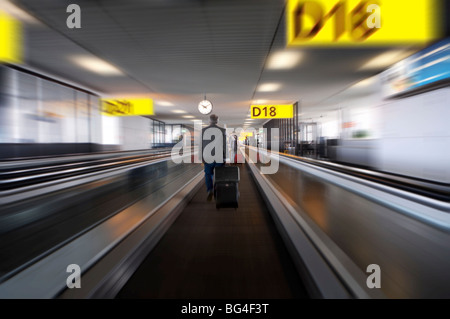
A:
x: 210, y: 196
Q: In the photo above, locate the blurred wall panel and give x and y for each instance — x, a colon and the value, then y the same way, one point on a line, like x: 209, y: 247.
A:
x: 416, y: 136
x: 95, y: 120
x: 7, y: 87
x: 40, y: 116
x: 26, y: 98
x: 135, y: 130
x: 67, y: 105
x: 82, y: 118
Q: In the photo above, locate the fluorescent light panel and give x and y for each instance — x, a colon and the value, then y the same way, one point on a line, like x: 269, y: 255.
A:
x: 96, y: 65
x: 164, y: 103
x: 269, y: 87
x: 284, y: 60
x: 260, y: 102
x: 178, y: 111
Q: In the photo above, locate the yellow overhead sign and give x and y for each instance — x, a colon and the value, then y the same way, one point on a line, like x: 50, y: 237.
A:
x: 10, y: 39
x: 127, y: 107
x: 244, y: 135
x: 362, y: 22
x: 272, y: 111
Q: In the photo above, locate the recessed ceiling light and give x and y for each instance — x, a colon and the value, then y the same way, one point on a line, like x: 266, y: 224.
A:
x: 269, y: 87
x: 178, y: 111
x: 260, y: 102
x: 188, y: 116
x: 96, y: 65
x: 164, y: 103
x: 283, y: 60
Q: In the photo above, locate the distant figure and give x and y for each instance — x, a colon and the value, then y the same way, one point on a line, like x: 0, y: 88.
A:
x: 233, y: 148
x: 213, y: 151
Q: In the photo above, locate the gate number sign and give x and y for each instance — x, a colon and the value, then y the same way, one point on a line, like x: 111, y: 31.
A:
x: 272, y: 112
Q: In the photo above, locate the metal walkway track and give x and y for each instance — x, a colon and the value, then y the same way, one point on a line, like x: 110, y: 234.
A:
x: 227, y: 253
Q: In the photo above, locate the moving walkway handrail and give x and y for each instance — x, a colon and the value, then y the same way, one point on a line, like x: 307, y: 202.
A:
x: 66, y: 170
x: 380, y: 183
x: 21, y: 167
x: 436, y: 190
x: 425, y: 209
x: 29, y: 163
x: 107, y: 249
x: 60, y: 181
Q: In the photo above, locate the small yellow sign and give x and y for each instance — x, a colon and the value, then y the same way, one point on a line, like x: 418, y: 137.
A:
x: 244, y: 135
x: 362, y: 22
x: 11, y: 50
x: 127, y: 107
x: 272, y: 111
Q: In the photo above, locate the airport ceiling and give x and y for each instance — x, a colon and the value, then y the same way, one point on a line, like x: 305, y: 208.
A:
x: 175, y: 51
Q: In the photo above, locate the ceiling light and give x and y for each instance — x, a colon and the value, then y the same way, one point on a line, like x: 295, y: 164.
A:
x: 178, y: 111
x: 364, y: 83
x: 260, y: 102
x: 283, y: 60
x: 164, y: 103
x: 269, y: 87
x: 386, y: 59
x: 96, y: 65
x: 188, y: 116
x: 17, y: 12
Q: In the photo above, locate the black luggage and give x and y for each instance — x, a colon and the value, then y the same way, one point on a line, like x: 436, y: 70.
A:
x: 226, y: 190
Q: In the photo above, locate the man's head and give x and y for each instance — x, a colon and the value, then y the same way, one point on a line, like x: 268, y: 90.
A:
x: 213, y: 119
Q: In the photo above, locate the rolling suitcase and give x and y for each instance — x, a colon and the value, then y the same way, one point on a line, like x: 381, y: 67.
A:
x: 226, y: 190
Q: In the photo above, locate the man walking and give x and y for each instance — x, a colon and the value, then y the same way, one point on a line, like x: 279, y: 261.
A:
x: 213, y: 151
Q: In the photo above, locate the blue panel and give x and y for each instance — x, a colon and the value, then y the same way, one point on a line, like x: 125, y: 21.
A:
x: 430, y: 65
x: 426, y: 67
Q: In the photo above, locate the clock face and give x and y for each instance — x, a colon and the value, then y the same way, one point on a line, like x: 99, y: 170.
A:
x: 205, y: 107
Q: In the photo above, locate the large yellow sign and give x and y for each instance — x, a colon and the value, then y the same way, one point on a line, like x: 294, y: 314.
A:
x: 127, y: 107
x: 362, y: 22
x: 272, y: 112
x: 10, y: 39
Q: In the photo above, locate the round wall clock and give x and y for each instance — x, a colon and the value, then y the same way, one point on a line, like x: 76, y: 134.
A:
x: 205, y: 107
